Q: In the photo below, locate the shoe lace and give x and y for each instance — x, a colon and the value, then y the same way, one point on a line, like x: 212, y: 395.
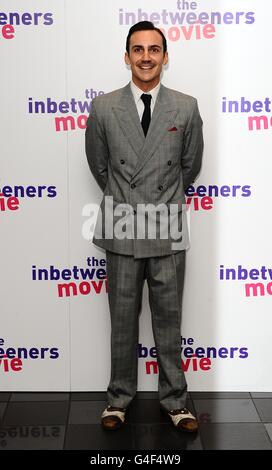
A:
x: 182, y: 411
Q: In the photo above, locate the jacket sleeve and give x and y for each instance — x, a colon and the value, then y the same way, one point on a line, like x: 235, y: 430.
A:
x: 191, y: 157
x: 97, y: 149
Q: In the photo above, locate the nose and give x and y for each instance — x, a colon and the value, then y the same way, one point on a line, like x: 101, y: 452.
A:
x: 146, y: 55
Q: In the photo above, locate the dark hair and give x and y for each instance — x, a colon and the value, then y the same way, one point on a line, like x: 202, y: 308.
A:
x: 143, y: 26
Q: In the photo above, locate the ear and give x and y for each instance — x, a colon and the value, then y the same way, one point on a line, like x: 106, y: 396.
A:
x: 165, y: 59
x: 127, y: 59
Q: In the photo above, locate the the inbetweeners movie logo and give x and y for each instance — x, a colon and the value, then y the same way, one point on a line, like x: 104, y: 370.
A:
x: 10, y: 21
x: 256, y: 113
x: 255, y: 280
x: 12, y: 358
x: 187, y: 20
x: 194, y: 357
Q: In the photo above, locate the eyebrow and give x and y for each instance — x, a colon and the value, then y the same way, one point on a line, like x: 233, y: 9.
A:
x: 153, y: 45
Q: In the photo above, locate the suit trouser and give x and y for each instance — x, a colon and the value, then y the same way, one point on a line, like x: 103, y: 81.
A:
x: 165, y: 278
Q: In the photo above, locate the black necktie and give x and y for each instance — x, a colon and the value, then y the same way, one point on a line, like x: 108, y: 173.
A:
x: 147, y: 112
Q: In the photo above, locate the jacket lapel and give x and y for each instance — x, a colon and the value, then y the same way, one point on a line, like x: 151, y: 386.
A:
x: 163, y: 115
x: 127, y: 116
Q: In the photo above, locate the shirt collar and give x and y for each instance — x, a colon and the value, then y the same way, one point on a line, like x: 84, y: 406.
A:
x: 137, y: 92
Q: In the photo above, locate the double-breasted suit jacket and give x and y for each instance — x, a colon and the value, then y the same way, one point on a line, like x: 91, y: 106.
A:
x: 134, y: 169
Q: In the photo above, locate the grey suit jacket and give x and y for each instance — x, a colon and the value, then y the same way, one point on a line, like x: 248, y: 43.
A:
x: 136, y: 170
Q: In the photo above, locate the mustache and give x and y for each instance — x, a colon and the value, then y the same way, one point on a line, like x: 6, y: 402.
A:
x: 147, y: 62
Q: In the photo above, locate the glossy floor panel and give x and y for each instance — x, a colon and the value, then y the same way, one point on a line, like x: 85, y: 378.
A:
x: 32, y: 437
x: 264, y: 408
x: 93, y: 436
x: 235, y: 436
x: 39, y: 396
x: 40, y: 421
x: 36, y: 413
x: 4, y: 396
x: 236, y: 410
x: 3, y: 407
x: 164, y: 436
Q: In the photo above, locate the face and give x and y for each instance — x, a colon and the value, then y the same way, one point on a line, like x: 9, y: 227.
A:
x: 146, y: 58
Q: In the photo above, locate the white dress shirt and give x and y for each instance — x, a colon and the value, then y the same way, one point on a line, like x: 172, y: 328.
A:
x: 137, y: 93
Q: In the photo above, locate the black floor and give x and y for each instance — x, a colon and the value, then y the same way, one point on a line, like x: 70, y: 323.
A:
x: 228, y: 421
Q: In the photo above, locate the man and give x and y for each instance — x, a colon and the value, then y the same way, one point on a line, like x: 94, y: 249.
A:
x: 144, y: 145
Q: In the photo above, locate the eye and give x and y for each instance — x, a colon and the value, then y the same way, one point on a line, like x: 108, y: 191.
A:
x: 155, y: 50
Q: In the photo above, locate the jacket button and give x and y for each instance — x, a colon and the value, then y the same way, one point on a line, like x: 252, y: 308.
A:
x: 133, y: 185
x: 122, y: 161
x: 134, y: 211
x: 160, y: 188
x: 169, y: 162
